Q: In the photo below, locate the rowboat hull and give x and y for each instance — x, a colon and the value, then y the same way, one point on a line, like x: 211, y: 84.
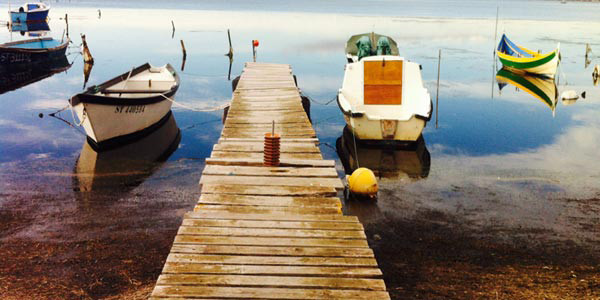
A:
x: 546, y: 65
x: 111, y: 119
x: 108, y: 126
x: 21, y: 53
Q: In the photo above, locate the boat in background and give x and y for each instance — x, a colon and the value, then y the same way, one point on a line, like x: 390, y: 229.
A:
x: 39, y: 29
x: 521, y: 59
x: 32, y: 51
x: 382, y: 96
x: 125, y: 167
x: 542, y: 88
x: 14, y: 77
x: 411, y: 162
x: 126, y: 107
x: 30, y: 12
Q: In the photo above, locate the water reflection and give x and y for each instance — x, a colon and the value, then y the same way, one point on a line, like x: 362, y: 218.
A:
x: 543, y: 89
x: 121, y: 169
x: 38, y: 29
x: 15, y: 77
x: 411, y: 161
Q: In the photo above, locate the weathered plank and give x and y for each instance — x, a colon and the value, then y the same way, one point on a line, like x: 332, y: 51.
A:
x: 269, y: 171
x: 259, y: 148
x: 271, y: 260
x: 272, y: 250
x: 272, y: 224
x: 240, y: 209
x: 272, y: 281
x: 352, y: 272
x: 270, y: 232
x: 271, y: 191
x: 269, y: 201
x: 259, y: 140
x: 268, y: 181
x: 272, y: 217
x: 259, y: 156
x: 265, y: 293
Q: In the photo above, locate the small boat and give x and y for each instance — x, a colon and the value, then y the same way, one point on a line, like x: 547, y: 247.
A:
x: 410, y: 163
x: 15, y: 77
x: 32, y: 51
x: 382, y: 96
x: 126, y: 107
x: 30, y: 13
x: 542, y: 88
x: 521, y: 59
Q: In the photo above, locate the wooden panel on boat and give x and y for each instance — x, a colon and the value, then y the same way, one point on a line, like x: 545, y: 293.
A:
x: 383, y: 82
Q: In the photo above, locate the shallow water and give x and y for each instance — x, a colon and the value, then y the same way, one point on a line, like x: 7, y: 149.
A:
x: 501, y: 165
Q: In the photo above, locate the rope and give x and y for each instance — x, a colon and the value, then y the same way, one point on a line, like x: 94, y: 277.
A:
x: 73, y: 116
x: 216, y: 108
x: 320, y: 103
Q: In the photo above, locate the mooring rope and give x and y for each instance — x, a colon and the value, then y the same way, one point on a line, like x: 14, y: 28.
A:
x: 317, y: 102
x: 216, y: 108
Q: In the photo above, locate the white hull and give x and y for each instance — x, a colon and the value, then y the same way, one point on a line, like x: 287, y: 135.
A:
x: 104, y: 122
x: 398, y: 118
x: 367, y: 129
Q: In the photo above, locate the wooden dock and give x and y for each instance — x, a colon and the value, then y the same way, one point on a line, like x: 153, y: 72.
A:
x: 269, y: 232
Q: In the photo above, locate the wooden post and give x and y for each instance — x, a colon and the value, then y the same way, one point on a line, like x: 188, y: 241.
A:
x: 437, y: 93
x: 87, y: 56
x: 184, y: 55
x: 230, y: 53
x: 173, y: 25
x: 67, y: 22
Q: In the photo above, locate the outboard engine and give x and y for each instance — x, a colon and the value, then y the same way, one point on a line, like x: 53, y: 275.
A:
x: 383, y: 46
x: 364, y: 47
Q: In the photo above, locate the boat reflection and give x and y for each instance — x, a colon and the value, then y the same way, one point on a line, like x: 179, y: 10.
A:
x: 410, y: 161
x: 543, y: 89
x: 14, y: 77
x: 38, y: 29
x: 121, y: 169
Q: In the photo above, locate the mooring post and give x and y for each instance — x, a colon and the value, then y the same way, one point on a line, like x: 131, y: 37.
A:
x: 230, y: 53
x: 67, y: 22
x: 184, y: 55
x: 173, y: 26
x: 437, y: 93
x: 87, y: 55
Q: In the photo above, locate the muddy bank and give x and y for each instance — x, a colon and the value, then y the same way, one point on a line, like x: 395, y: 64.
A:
x: 107, y: 243
x: 435, y: 255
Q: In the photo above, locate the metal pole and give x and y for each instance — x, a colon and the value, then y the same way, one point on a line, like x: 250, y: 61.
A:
x: 437, y: 93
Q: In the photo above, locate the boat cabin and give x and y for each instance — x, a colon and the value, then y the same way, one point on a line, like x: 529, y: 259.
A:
x: 31, y: 7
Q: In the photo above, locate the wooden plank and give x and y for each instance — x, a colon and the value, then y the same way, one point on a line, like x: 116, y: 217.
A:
x: 272, y: 217
x: 269, y: 171
x: 258, y: 140
x: 272, y: 224
x: 276, y: 181
x: 259, y: 156
x: 269, y: 201
x: 264, y: 293
x: 270, y: 241
x: 238, y: 209
x: 272, y: 250
x: 271, y: 232
x: 258, y: 148
x: 259, y: 162
x: 271, y: 260
x: 347, y: 272
x: 272, y: 281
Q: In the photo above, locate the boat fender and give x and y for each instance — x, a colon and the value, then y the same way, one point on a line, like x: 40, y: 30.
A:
x: 569, y: 95
x: 363, y: 182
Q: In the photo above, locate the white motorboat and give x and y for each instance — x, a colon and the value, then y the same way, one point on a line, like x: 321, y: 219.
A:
x: 382, y: 96
x: 127, y: 106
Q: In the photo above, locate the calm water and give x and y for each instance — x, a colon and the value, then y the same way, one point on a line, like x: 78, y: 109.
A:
x: 496, y: 160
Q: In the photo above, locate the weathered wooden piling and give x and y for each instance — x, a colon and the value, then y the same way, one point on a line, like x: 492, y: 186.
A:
x: 261, y: 232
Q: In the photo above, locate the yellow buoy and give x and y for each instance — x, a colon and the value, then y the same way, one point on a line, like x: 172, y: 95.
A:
x: 362, y: 182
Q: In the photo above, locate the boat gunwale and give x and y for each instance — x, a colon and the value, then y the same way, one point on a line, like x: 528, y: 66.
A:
x: 89, y: 95
x: 4, y: 47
